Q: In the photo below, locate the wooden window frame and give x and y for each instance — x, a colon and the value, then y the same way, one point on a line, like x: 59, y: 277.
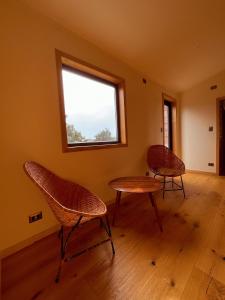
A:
x: 173, y: 102
x: 66, y: 61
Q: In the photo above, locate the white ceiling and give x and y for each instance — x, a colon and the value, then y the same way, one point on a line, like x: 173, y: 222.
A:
x: 176, y: 43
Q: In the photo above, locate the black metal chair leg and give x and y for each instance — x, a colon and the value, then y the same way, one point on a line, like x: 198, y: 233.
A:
x: 62, y: 254
x: 63, y: 248
x: 57, y: 278
x: 108, y: 230
x: 182, y: 185
x: 60, y: 232
x: 64, y: 242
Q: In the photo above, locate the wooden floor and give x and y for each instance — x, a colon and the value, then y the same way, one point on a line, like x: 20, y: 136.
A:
x: 186, y: 261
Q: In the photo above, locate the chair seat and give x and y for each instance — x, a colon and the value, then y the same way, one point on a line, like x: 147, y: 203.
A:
x: 83, y: 202
x: 89, y: 207
x: 169, y: 172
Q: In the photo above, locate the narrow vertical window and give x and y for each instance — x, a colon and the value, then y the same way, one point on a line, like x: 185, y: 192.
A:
x: 168, y: 134
x: 169, y: 122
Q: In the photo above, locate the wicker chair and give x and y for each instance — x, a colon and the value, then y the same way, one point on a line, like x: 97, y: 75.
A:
x: 72, y: 205
x: 163, y: 162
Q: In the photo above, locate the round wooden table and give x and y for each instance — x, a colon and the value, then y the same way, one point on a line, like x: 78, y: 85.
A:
x: 136, y: 184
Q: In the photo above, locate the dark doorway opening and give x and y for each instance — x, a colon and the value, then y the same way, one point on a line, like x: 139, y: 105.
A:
x: 168, y: 128
x: 221, y: 137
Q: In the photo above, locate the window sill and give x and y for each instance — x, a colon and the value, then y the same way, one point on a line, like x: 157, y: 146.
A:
x: 93, y: 147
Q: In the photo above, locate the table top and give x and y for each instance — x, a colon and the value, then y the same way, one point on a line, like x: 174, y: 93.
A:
x: 135, y: 184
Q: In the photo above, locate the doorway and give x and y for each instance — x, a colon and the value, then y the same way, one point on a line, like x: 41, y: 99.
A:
x: 221, y: 136
x: 167, y: 126
x: 169, y: 123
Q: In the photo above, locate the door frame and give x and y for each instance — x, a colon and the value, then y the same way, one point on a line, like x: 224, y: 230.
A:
x: 218, y: 130
x: 173, y: 101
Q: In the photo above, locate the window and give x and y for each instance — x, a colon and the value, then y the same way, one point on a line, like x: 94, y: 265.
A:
x: 92, y: 106
x: 168, y: 136
x: 169, y: 122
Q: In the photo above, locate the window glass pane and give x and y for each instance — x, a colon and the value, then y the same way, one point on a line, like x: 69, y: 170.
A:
x: 90, y: 108
x: 166, y: 125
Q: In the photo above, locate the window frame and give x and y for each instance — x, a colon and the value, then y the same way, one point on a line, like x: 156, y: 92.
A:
x: 173, y: 103
x: 65, y: 61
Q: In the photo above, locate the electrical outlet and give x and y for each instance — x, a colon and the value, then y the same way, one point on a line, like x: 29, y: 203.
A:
x: 210, y: 128
x: 144, y: 80
x: 211, y: 164
x: 35, y: 217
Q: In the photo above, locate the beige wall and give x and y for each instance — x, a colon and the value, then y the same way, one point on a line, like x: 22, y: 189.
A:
x: 198, y: 112
x: 30, y: 125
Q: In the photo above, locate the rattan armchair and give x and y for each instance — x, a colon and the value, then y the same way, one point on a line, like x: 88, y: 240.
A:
x: 163, y: 162
x: 71, y: 204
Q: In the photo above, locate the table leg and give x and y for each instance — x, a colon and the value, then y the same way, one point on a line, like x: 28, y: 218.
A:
x: 164, y: 185
x: 117, y: 205
x: 156, y: 211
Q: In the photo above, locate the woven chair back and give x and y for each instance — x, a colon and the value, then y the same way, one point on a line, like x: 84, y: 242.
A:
x: 160, y: 156
x: 68, y: 200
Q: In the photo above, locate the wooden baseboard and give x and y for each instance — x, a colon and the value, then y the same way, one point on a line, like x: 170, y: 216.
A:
x: 25, y: 243
x: 200, y: 172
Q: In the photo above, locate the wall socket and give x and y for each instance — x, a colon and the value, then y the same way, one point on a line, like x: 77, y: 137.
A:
x: 211, y: 164
x: 213, y: 87
x: 210, y: 128
x: 35, y: 217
